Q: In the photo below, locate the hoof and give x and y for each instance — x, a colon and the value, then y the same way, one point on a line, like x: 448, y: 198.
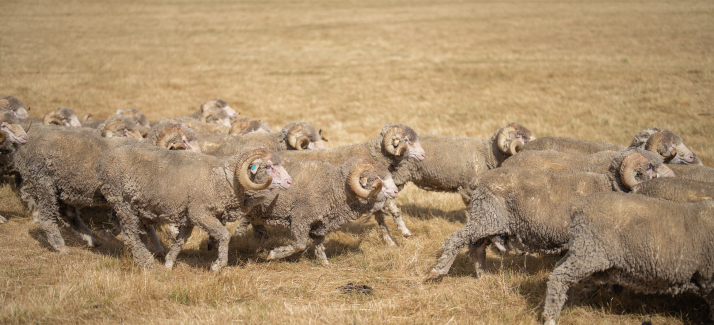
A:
x: 169, y: 265
x: 160, y: 254
x: 271, y: 256
x: 407, y: 234
x: 63, y: 249
x: 216, y: 267
x: 434, y: 274
x: 2, y: 220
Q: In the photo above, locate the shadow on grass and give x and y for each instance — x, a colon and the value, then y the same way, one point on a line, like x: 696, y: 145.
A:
x: 426, y: 213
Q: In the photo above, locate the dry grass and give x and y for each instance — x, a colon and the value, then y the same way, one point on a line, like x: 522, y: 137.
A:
x: 591, y: 70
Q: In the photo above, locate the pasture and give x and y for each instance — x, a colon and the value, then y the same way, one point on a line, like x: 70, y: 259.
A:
x: 584, y: 69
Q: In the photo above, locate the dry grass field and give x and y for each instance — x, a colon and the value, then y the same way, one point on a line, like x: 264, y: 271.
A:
x: 593, y: 70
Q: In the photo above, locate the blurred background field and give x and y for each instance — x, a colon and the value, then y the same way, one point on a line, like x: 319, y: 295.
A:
x: 585, y: 69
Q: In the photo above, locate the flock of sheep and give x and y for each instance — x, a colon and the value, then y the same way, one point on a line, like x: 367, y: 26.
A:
x: 620, y: 213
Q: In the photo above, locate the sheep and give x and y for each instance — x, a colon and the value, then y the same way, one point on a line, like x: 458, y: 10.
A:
x: 646, y: 244
x: 214, y: 104
x: 248, y: 125
x: 395, y: 143
x: 296, y: 135
x: 323, y: 198
x: 663, y: 142
x: 694, y: 172
x: 57, y: 173
x: 13, y: 135
x: 14, y: 105
x: 62, y: 116
x: 142, y: 122
x: 530, y: 206
x: 452, y: 162
x: 214, y: 121
x: 676, y: 189
x: 666, y: 143
x: 140, y: 183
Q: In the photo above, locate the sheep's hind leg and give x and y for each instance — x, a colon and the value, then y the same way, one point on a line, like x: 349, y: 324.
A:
x: 477, y: 254
x: 153, y: 240
x: 396, y: 213
x: 320, y: 249
x: 130, y: 233
x: 184, y: 234
x: 48, y: 211
x: 300, y: 234
x: 215, y: 229
x: 379, y: 216
x: 78, y: 227
x: 452, y: 245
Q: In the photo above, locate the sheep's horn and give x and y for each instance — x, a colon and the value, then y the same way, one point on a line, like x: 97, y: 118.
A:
x: 515, y: 146
x: 395, y: 148
x: 322, y: 136
x: 502, y: 138
x: 664, y: 171
x: 628, y: 168
x: 355, y: 185
x: 27, y: 129
x: 243, y: 178
x: 653, y: 144
x: 177, y: 146
x: 293, y: 139
x: 86, y: 117
x: 51, y: 119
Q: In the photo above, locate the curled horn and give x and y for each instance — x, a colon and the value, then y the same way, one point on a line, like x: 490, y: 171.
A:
x: 27, y: 129
x: 3, y: 136
x: 242, y: 171
x: 177, y: 146
x: 515, y: 146
x: 502, y: 139
x: 653, y: 144
x: 51, y: 119
x: 299, y: 143
x: 628, y: 168
x: 86, y: 117
x: 355, y: 185
x: 395, y: 147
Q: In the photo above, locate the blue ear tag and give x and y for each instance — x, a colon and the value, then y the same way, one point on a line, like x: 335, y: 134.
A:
x: 253, y: 168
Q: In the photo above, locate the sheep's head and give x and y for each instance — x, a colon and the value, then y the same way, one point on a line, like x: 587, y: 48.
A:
x: 219, y: 103
x: 177, y: 137
x: 367, y: 178
x: 302, y: 135
x: 216, y: 116
x: 670, y: 147
x: 260, y: 168
x: 511, y: 138
x: 637, y: 165
x: 121, y: 126
x: 13, y: 105
x: 248, y: 125
x: 398, y: 140
x: 141, y: 121
x: 14, y: 132
x: 63, y: 116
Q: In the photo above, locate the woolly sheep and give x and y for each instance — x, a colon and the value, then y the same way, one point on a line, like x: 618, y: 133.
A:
x: 531, y: 206
x: 248, y: 125
x: 676, y: 189
x: 62, y: 116
x: 323, y: 198
x: 294, y: 136
x: 12, y: 104
x: 645, y: 244
x: 140, y: 183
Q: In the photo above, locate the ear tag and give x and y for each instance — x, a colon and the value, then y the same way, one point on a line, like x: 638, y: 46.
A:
x: 363, y: 181
x: 253, y: 169
x: 634, y: 174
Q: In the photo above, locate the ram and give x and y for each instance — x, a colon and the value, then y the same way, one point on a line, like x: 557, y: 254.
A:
x: 530, y: 207
x: 12, y: 104
x: 645, y: 244
x: 62, y: 116
x: 323, y: 198
x: 141, y: 183
x: 294, y: 136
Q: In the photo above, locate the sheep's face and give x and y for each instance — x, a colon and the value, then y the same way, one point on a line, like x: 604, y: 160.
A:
x: 399, y: 139
x: 218, y: 103
x: 301, y: 136
x: 218, y: 116
x: 511, y: 138
x: 62, y: 116
x: 369, y: 178
x: 247, y: 125
x: 15, y: 132
x: 118, y: 126
x: 640, y: 165
x: 315, y: 137
x: 13, y: 105
x: 270, y: 166
x: 135, y: 115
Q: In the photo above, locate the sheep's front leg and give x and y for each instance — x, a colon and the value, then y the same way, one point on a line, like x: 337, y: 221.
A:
x: 153, y: 240
x: 379, y: 216
x: 130, y: 233
x: 300, y: 235
x: 396, y: 213
x: 477, y: 254
x: 184, y: 233
x: 220, y: 234
x: 48, y: 210
x: 320, y: 249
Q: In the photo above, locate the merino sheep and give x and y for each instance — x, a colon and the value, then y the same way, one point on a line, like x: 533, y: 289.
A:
x: 294, y: 136
x: 324, y: 197
x: 394, y: 144
x: 62, y: 116
x: 531, y: 206
x: 142, y: 123
x: 206, y: 109
x: 642, y: 243
x: 676, y: 189
x: 694, y: 172
x: 12, y: 104
x: 13, y: 135
x: 140, y: 183
x: 248, y: 125
x: 571, y: 146
x: 57, y: 172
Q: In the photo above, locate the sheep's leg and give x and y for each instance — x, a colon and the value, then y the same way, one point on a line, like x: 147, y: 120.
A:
x: 48, y: 210
x: 183, y: 235
x: 320, y: 248
x: 78, y: 227
x: 153, y: 240
x: 477, y: 254
x: 396, y: 213
x: 242, y: 227
x: 215, y: 229
x: 130, y: 233
x: 571, y: 269
x: 3, y: 220
x: 379, y: 216
x: 453, y: 244
x: 300, y: 235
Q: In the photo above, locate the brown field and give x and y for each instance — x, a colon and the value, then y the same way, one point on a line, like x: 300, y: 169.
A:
x: 586, y: 69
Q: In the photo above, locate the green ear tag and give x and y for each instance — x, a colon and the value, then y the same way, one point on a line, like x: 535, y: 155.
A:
x: 634, y: 174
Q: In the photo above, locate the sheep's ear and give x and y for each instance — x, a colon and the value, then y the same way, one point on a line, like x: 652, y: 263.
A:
x: 363, y: 181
